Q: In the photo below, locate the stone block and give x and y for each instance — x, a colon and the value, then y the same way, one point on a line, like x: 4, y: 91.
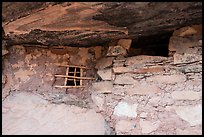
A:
x: 103, y: 87
x: 124, y: 126
x: 119, y: 70
x: 182, y: 44
x: 125, y: 79
x: 186, y: 58
x: 153, y: 69
x: 148, y: 127
x: 167, y: 79
x: 104, y: 63
x: 141, y: 60
x: 105, y: 74
x: 186, y: 95
x: 185, y: 31
x: 125, y: 43
x: 116, y: 51
x: 138, y: 89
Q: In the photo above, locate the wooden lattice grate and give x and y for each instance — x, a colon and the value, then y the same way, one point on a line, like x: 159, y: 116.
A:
x: 73, y: 77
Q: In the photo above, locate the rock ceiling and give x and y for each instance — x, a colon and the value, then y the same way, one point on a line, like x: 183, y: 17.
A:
x: 93, y: 23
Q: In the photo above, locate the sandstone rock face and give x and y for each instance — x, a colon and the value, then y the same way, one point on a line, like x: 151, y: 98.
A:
x: 126, y: 109
x: 94, y: 22
x: 191, y: 114
x: 27, y: 114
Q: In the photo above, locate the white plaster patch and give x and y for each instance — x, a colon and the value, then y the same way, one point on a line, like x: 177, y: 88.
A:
x: 125, y: 109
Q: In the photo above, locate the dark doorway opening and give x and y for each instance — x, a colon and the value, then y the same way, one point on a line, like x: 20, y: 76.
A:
x: 155, y: 45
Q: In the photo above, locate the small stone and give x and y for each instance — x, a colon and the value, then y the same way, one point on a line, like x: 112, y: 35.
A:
x: 116, y: 51
x: 4, y: 79
x: 154, y: 101
x: 125, y: 43
x: 186, y: 95
x: 105, y: 74
x: 103, y: 87
x: 4, y: 52
x: 126, y: 109
x: 143, y: 115
x: 191, y: 114
x: 98, y: 50
x: 200, y: 41
x: 148, y: 127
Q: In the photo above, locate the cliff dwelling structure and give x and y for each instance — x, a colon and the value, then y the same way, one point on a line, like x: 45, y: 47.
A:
x: 106, y: 68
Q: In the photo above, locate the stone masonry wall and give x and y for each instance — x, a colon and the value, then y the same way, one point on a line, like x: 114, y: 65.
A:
x: 153, y: 94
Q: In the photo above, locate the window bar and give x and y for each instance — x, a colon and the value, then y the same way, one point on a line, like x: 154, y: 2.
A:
x: 81, y: 75
x: 66, y: 78
x: 72, y: 77
x: 75, y: 76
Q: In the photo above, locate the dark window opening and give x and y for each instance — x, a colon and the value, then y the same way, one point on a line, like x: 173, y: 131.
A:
x: 155, y: 45
x: 70, y: 82
x: 75, y: 72
x: 73, y: 77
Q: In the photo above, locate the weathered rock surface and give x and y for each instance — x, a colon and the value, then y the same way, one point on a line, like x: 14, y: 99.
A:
x: 26, y: 114
x: 93, y: 23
